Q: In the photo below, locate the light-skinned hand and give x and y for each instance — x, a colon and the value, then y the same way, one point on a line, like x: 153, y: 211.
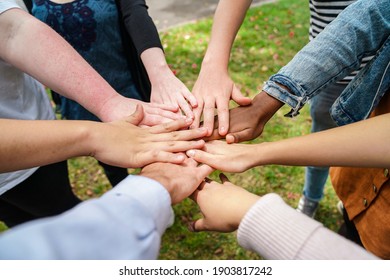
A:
x: 225, y: 157
x: 123, y: 143
x: 223, y: 206
x: 167, y: 89
x: 180, y: 180
x: 213, y: 91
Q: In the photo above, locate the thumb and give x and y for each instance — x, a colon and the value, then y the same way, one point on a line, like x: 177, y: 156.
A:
x: 201, y: 157
x: 197, y: 225
x: 239, y: 98
x: 237, y: 137
x: 136, y: 117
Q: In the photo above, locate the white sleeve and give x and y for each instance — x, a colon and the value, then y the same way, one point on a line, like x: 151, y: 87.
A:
x: 125, y: 223
x: 10, y: 4
x: 275, y: 230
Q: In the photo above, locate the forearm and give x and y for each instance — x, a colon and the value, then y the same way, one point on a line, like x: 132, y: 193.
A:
x: 155, y: 64
x: 269, y: 220
x: 39, y: 51
x: 363, y: 144
x: 125, y: 223
x: 47, y: 142
x: 228, y: 18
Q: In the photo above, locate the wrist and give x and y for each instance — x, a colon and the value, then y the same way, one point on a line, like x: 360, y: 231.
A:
x: 87, y: 137
x: 246, y: 203
x: 264, y: 154
x: 266, y: 105
x: 214, y: 62
x: 159, y: 177
x: 155, y: 63
x: 159, y: 71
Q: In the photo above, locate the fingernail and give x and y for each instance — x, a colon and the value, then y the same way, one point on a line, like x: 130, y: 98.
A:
x: 189, y: 120
x: 190, y: 153
x: 180, y: 157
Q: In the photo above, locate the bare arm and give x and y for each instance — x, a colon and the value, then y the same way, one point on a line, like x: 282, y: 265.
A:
x: 166, y: 87
x: 362, y: 144
x: 36, y: 49
x: 121, y: 143
x: 214, y: 88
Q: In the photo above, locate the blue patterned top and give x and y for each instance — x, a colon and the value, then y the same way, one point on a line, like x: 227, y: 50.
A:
x: 92, y: 28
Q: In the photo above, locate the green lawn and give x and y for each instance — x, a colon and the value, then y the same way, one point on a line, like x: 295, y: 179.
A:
x: 268, y: 39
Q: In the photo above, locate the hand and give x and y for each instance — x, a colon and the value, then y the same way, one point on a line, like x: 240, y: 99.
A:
x: 223, y: 206
x: 247, y: 122
x: 179, y: 180
x: 119, y: 107
x: 166, y: 88
x: 214, y: 89
x: 226, y: 157
x: 169, y: 90
x: 123, y: 143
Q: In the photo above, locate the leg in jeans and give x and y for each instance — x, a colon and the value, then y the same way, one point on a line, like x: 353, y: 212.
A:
x: 315, y: 177
x: 45, y: 193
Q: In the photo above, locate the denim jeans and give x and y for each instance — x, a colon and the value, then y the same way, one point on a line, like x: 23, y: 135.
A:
x: 315, y: 177
x: 361, y: 30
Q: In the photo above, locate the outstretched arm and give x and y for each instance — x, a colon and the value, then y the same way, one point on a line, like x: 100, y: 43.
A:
x: 360, y: 30
x: 36, y: 49
x: 362, y: 144
x: 121, y: 143
x: 214, y: 88
x: 262, y: 223
x: 125, y: 223
x: 166, y: 87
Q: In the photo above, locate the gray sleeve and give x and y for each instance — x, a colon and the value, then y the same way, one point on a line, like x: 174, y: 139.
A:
x: 276, y: 231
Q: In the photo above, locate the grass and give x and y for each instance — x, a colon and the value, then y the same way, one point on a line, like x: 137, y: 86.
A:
x: 269, y: 37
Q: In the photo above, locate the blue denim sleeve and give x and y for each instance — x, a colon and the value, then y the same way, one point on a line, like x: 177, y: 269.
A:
x: 125, y: 223
x: 358, y: 31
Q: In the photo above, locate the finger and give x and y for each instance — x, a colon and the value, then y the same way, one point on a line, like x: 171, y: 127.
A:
x: 179, y: 146
x: 197, y: 115
x: 204, y: 170
x: 223, y: 178
x: 153, y: 120
x: 191, y: 99
x: 137, y: 116
x: 164, y: 106
x: 195, y: 194
x: 214, y: 136
x: 208, y: 116
x: 207, y: 180
x: 181, y: 135
x: 190, y: 162
x: 186, y: 108
x: 166, y: 114
x: 223, y: 117
x: 241, y: 136
x: 239, y: 98
x: 196, y: 226
x: 202, y: 157
x: 163, y: 156
x: 171, y: 126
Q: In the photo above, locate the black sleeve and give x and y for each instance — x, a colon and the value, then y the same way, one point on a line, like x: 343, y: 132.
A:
x: 28, y: 4
x: 139, y: 25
